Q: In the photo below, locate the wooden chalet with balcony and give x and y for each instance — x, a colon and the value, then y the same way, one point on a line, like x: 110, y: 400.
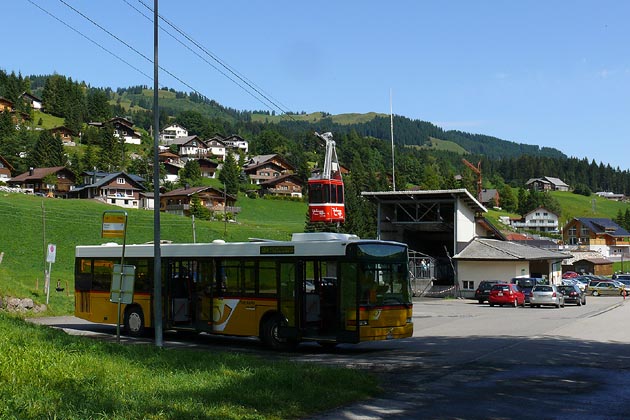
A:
x: 56, y: 181
x: 263, y: 168
x: 597, y: 234
x: 288, y: 185
x: 178, y: 201
x: 118, y: 188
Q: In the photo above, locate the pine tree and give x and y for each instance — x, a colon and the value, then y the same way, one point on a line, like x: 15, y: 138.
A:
x: 229, y: 174
x: 57, y: 156
x: 190, y: 174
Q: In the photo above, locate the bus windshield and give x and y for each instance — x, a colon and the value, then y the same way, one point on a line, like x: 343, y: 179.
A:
x: 384, y: 284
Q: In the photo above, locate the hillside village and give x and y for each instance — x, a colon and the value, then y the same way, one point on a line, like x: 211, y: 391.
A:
x: 197, y: 169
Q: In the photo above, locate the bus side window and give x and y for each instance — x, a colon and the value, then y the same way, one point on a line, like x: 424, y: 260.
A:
x: 231, y: 280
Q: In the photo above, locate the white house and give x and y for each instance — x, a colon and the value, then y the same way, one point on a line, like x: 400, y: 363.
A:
x: 539, y: 219
x: 172, y: 132
x: 216, y: 147
x: 190, y: 147
x: 33, y: 100
x: 237, y: 142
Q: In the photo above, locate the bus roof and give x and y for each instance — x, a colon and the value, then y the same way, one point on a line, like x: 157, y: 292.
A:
x: 302, y: 244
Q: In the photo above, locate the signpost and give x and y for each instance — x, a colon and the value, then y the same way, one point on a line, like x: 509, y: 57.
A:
x: 115, y: 226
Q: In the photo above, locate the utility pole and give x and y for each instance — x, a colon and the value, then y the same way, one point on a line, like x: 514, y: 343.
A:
x: 157, y: 256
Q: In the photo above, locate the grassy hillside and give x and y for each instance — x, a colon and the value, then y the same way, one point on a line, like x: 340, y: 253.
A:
x: 30, y: 223
x: 442, y: 145
x: 575, y: 205
x: 48, y: 121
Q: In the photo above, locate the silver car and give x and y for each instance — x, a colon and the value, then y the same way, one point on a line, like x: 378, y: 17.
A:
x: 546, y: 294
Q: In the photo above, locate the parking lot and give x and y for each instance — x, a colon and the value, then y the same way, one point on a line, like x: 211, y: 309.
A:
x: 472, y: 361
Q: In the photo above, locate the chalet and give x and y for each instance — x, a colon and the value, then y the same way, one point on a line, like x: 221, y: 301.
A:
x: 64, y: 133
x: 190, y: 147
x: 265, y: 167
x: 539, y: 219
x: 237, y: 142
x: 5, y: 105
x: 168, y: 157
x: 178, y: 201
x: 172, y: 132
x: 285, y: 185
x: 546, y: 183
x: 123, y: 129
x: 119, y: 188
x: 55, y: 181
x: 216, y: 147
x: 32, y: 100
x: 597, y: 234
x: 5, y: 170
x: 208, y: 168
x: 172, y: 170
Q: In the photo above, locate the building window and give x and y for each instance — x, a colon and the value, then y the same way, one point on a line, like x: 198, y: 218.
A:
x: 468, y: 284
x: 584, y: 231
x: 120, y: 180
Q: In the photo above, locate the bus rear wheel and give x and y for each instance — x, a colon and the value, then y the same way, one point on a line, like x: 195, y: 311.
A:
x: 134, y: 321
x: 270, y: 335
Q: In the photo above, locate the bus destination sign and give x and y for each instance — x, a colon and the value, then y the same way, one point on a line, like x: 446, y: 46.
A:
x: 277, y: 249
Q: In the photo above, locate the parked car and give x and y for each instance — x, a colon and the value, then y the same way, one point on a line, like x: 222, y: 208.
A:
x: 598, y: 288
x: 569, y: 274
x: 573, y: 294
x: 506, y: 294
x: 483, y: 291
x: 546, y: 294
x: 625, y: 281
x: 526, y: 284
x: 581, y: 282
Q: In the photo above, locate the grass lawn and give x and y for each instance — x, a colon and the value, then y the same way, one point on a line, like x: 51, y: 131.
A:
x: 30, y: 223
x: 46, y: 374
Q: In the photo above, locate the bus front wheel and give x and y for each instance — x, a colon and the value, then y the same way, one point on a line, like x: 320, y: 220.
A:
x: 270, y: 335
x: 134, y: 321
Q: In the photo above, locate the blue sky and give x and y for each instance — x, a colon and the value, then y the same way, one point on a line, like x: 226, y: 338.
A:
x: 553, y: 74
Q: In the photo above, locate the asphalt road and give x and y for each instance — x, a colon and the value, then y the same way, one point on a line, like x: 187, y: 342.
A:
x: 470, y: 361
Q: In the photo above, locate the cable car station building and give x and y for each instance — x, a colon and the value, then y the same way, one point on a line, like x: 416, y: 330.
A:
x: 444, y: 230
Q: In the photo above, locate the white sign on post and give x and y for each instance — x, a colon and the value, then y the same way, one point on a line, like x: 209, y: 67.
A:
x: 51, y: 254
x: 50, y: 259
x: 123, y: 278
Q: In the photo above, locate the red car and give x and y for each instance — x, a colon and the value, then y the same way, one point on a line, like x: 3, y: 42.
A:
x: 506, y: 294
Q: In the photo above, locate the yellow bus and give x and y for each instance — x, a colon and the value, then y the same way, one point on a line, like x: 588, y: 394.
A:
x: 324, y: 287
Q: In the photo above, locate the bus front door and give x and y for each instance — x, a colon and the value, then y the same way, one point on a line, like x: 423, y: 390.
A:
x: 319, y: 301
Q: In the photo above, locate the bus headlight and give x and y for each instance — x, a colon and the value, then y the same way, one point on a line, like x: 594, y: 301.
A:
x: 409, y: 320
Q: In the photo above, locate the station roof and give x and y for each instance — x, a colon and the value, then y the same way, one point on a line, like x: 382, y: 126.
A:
x: 393, y: 197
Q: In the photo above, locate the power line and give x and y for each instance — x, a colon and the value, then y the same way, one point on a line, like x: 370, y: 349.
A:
x: 89, y: 39
x: 233, y: 71
x: 128, y: 46
x: 270, y: 103
x: 135, y: 50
